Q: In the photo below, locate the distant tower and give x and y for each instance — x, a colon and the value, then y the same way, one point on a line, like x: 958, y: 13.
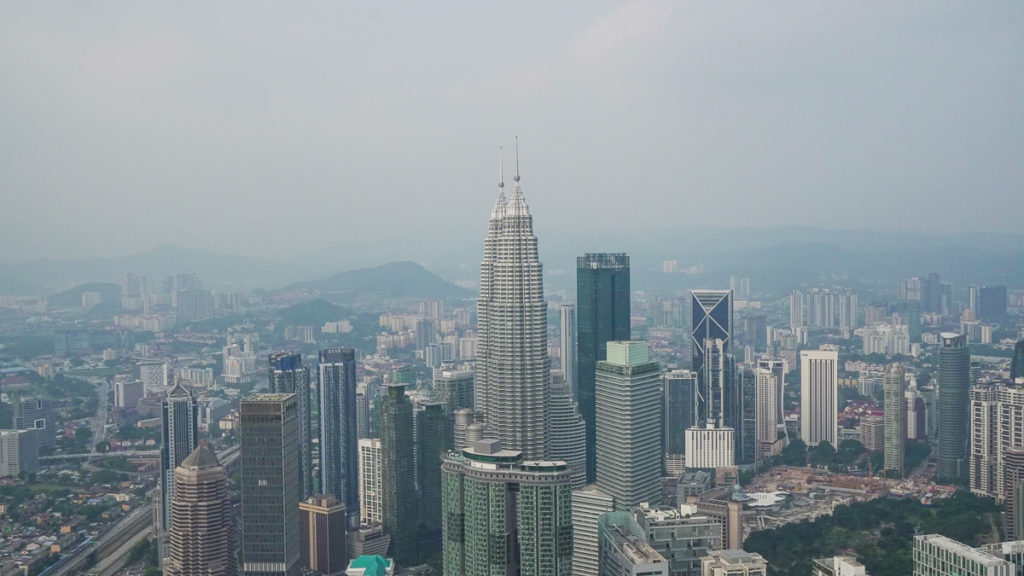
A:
x: 1017, y: 364
x: 324, y: 547
x: 269, y: 457
x: 711, y: 322
x: 629, y: 425
x: 796, y: 310
x: 202, y: 534
x: 512, y: 392
x: 819, y: 397
x: 339, y: 437
x: 895, y: 416
x: 767, y: 412
x: 602, y: 298
x: 369, y: 481
x: 954, y: 404
x: 287, y: 375
x: 180, y: 435
x: 570, y: 366
x: 399, y: 504
x: 680, y: 413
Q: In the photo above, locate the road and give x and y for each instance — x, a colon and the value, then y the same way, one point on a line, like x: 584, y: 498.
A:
x: 138, y: 520
x: 95, y: 455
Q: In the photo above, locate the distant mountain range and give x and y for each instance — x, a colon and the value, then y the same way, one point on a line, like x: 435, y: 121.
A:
x: 391, y: 281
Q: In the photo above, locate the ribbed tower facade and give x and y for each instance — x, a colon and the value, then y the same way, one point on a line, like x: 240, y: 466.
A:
x: 954, y: 400
x: 202, y: 539
x: 512, y: 392
x: 895, y: 416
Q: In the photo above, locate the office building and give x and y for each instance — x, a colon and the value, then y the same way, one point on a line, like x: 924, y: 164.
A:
x: 767, y: 420
x: 936, y: 555
x: 680, y: 414
x: 837, y: 566
x: 629, y: 424
x: 438, y: 353
x: 746, y: 433
x: 323, y: 521
x: 710, y: 447
x: 512, y: 371
x: 433, y: 439
x: 992, y: 304
x: 602, y: 308
x: 796, y: 310
x: 588, y: 505
x: 369, y: 539
x: 895, y: 404
x: 339, y: 436
x: 19, y: 452
x: 369, y: 481
x: 711, y: 336
x: 179, y: 438
x: 624, y: 548
x: 269, y: 458
x: 504, y: 515
x: 733, y: 563
x: 453, y: 384
x: 399, y: 505
x: 819, y: 397
x: 287, y: 375
x: 954, y: 399
x: 37, y: 414
x: 127, y: 394
x: 570, y: 365
x: 1017, y: 364
x: 154, y: 376
x: 680, y: 534
x: 201, y: 539
x: 568, y: 434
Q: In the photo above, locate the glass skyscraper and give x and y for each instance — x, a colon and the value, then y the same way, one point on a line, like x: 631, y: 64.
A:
x: 180, y: 435
x: 680, y: 413
x: 399, y: 503
x: 269, y: 456
x: 505, y: 516
x: 339, y: 437
x: 287, y: 375
x: 711, y: 338
x: 602, y: 316
x: 954, y: 401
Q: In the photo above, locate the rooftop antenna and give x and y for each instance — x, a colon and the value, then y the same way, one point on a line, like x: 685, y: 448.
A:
x: 516, y: 178
x: 501, y: 178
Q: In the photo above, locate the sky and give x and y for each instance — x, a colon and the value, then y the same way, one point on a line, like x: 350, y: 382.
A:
x: 271, y: 129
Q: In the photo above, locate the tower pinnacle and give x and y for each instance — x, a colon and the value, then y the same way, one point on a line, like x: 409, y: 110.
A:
x: 501, y: 178
x: 516, y: 178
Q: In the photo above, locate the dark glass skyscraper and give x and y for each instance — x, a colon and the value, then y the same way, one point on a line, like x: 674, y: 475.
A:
x: 287, y: 375
x: 602, y: 316
x: 398, y: 489
x: 180, y: 435
x: 680, y: 413
x: 269, y: 456
x: 993, y: 303
x: 339, y: 437
x: 711, y: 337
x: 1017, y: 364
x: 954, y: 400
x: 433, y: 439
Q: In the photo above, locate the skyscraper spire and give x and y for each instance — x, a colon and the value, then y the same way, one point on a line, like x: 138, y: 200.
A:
x: 516, y: 178
x: 501, y: 172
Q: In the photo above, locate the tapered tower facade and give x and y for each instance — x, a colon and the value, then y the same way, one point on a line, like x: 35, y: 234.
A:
x: 512, y: 391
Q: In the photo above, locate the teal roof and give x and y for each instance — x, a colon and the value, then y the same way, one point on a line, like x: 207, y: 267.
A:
x: 372, y: 565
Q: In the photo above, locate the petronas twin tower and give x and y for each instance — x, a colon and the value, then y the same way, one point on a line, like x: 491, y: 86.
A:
x: 512, y: 381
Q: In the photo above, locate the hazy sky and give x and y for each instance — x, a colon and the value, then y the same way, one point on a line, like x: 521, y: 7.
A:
x: 272, y: 127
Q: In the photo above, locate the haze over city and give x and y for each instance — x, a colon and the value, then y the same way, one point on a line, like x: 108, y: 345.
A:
x: 125, y: 126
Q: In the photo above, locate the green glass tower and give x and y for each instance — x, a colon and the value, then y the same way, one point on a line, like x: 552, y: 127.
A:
x: 954, y: 404
x: 1017, y: 364
x: 433, y: 440
x: 398, y: 486
x: 602, y: 316
x: 505, y: 516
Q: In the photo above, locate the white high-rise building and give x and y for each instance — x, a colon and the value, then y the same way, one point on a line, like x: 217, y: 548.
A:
x: 796, y: 310
x: 588, y: 504
x: 512, y: 391
x: 153, y: 376
x: 819, y: 396
x: 710, y: 447
x: 936, y: 555
x: 370, y: 508
x: 997, y: 426
x: 767, y: 415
